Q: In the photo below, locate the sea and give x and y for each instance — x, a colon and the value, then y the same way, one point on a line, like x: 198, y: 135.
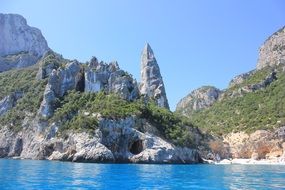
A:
x: 34, y: 174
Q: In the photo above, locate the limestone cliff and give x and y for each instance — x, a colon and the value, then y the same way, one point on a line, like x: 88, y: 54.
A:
x: 272, y: 52
x: 110, y: 79
x: 60, y: 81
x: 21, y: 45
x: 113, y: 141
x: 152, y: 85
x: 261, y: 144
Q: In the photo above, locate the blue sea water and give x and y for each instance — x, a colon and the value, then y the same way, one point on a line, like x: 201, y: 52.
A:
x: 30, y: 174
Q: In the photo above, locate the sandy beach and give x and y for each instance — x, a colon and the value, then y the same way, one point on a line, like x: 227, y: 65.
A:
x: 275, y: 161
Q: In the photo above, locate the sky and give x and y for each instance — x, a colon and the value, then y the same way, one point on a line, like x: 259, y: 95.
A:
x: 196, y: 43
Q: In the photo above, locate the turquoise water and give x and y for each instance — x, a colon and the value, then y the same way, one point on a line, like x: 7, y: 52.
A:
x: 28, y: 174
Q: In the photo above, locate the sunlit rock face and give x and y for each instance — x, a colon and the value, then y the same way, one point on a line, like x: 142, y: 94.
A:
x: 110, y: 79
x: 60, y: 81
x: 152, y: 85
x: 21, y: 45
x: 272, y: 52
x: 198, y: 99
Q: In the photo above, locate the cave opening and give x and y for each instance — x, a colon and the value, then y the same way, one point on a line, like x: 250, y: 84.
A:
x: 80, y: 86
x: 136, y: 147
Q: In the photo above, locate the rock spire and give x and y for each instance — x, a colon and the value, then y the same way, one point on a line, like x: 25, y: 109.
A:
x: 152, y: 85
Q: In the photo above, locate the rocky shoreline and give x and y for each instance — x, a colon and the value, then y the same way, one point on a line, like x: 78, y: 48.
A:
x: 115, y: 141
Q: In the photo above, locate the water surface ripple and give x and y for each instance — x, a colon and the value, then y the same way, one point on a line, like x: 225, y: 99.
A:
x: 30, y: 174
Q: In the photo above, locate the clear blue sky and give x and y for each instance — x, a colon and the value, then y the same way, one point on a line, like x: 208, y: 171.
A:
x: 195, y: 42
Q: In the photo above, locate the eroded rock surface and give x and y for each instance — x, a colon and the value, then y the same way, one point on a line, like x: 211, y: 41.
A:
x: 240, y: 78
x: 9, y: 102
x: 49, y: 62
x: 110, y: 79
x: 198, y: 99
x: 113, y: 141
x: 21, y: 45
x: 60, y: 81
x: 152, y: 85
x: 252, y: 87
x: 272, y: 52
x: 261, y: 144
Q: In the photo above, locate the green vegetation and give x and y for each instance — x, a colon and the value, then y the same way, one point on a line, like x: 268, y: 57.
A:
x: 263, y: 109
x: 255, y: 78
x: 51, y: 58
x: 21, y: 80
x: 76, y: 107
x: 172, y: 126
x: 77, y: 111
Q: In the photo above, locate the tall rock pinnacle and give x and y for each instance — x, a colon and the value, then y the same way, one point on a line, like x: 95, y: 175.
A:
x: 152, y: 85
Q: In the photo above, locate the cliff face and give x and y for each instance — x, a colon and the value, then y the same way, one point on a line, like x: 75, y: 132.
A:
x: 152, y: 85
x: 113, y: 141
x: 20, y: 44
x: 110, y: 79
x: 272, y: 52
x: 198, y: 99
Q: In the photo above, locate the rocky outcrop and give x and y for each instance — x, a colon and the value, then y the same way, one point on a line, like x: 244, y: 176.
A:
x: 272, y: 52
x: 261, y: 144
x: 258, y: 145
x: 152, y: 85
x: 9, y: 102
x: 252, y: 87
x: 110, y: 79
x: 240, y: 78
x: 198, y: 99
x: 60, y: 81
x: 129, y: 144
x: 20, y: 45
x: 19, y: 60
x: 48, y: 63
x: 113, y: 141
